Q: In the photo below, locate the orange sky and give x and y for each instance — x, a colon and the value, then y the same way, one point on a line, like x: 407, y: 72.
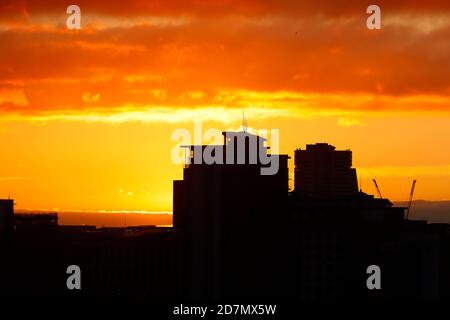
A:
x: 87, y: 115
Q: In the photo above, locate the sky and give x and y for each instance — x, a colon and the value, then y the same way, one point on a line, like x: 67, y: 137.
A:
x: 86, y: 116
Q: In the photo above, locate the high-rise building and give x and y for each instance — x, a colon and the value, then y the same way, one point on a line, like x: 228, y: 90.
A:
x: 321, y: 171
x: 224, y: 212
x: 6, y: 215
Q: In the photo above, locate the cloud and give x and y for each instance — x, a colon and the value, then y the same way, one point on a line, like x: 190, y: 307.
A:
x: 418, y: 22
x: 157, y: 105
x: 348, y: 122
x: 132, y: 113
x: 315, y: 58
x: 13, y: 97
x: 3, y: 179
x: 91, y: 97
x: 23, y: 9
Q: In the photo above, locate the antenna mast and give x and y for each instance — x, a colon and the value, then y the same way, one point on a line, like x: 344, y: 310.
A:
x: 244, y: 120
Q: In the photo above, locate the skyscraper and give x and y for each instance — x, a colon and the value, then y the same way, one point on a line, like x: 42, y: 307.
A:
x: 321, y: 171
x: 6, y: 215
x: 215, y: 206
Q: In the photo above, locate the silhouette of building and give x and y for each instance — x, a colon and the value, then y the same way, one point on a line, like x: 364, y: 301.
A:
x: 135, y: 261
x: 321, y: 171
x: 243, y: 237
x: 6, y: 215
x: 226, y: 212
x: 239, y: 234
x: 140, y: 261
x: 36, y: 220
x: 337, y: 232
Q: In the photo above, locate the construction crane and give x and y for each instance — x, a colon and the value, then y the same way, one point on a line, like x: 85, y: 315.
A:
x: 410, y: 198
x: 378, y: 189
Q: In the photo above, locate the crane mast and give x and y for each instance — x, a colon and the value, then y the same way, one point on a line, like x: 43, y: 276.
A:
x: 410, y: 198
x: 378, y: 189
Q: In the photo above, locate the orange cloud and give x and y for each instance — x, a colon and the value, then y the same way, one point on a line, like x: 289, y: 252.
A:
x: 91, y: 97
x: 12, y: 97
x: 187, y: 54
x: 23, y: 8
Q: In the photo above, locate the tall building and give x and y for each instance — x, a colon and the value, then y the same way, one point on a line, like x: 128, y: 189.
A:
x: 224, y: 212
x: 321, y: 171
x: 6, y: 215
x: 236, y: 182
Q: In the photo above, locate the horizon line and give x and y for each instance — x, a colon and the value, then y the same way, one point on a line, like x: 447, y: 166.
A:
x: 40, y: 210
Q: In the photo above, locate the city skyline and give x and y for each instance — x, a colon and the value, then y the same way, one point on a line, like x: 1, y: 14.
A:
x: 230, y: 222
x: 433, y: 211
x: 224, y: 158
x: 363, y: 174
x: 87, y: 115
